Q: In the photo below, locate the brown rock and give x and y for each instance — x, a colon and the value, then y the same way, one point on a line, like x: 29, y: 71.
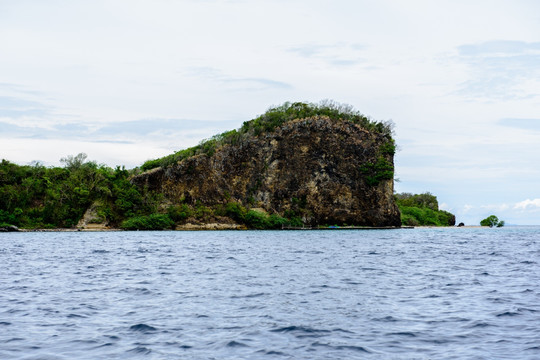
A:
x: 314, y: 167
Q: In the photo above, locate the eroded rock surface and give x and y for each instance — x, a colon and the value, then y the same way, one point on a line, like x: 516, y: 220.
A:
x: 323, y: 170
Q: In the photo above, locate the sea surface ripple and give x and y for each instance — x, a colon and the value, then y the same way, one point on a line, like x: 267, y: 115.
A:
x: 344, y: 294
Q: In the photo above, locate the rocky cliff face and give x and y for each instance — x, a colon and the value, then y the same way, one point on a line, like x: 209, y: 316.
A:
x: 323, y: 170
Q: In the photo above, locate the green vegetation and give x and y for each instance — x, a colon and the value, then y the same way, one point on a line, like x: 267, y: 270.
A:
x: 492, y: 221
x: 273, y: 118
x: 378, y: 171
x: 253, y: 219
x: 422, y: 210
x: 148, y: 222
x: 35, y: 196
x: 40, y: 197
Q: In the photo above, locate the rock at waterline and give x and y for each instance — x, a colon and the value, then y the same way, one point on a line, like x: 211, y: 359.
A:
x: 9, y: 228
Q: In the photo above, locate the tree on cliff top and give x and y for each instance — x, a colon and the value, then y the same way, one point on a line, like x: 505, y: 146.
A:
x: 278, y: 115
x: 273, y: 118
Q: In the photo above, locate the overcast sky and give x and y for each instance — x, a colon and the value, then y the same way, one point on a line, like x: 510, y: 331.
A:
x: 125, y: 81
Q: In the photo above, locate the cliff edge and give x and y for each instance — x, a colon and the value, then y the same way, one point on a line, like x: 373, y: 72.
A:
x: 324, y: 168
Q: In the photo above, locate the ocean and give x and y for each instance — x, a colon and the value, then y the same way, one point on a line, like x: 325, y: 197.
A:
x: 425, y: 293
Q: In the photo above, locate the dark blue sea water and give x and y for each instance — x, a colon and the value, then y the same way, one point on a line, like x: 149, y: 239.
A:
x: 389, y: 294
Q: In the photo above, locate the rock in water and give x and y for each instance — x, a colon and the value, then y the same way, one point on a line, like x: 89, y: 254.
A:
x: 323, y: 170
x: 9, y: 228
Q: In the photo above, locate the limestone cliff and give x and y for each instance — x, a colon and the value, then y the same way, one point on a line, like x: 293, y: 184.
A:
x: 322, y: 169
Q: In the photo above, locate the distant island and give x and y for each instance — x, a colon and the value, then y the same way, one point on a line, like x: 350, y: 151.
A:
x: 299, y: 165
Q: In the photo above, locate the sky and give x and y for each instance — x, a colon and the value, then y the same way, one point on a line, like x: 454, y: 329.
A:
x: 125, y: 81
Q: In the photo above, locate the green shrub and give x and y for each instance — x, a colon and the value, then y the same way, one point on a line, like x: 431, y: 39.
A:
x: 446, y: 218
x: 276, y: 222
x: 179, y: 212
x: 418, y: 200
x: 409, y: 220
x: 422, y: 209
x: 253, y: 219
x: 235, y: 211
x: 376, y: 172
x: 256, y: 220
x: 388, y: 147
x: 202, y: 212
x: 151, y: 164
x: 275, y: 117
x: 148, y: 222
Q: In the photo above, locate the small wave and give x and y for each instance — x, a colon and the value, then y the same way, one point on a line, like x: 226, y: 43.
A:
x: 301, y: 331
x: 402, y: 333
x: 14, y: 339
x: 141, y: 350
x: 271, y: 352
x: 521, y: 309
x: 75, y: 316
x: 343, y: 347
x: 236, y: 344
x: 387, y: 319
x: 84, y: 341
x: 248, y: 296
x: 297, y: 328
x: 478, y: 324
x: 351, y: 282
x: 143, y: 328
x: 324, y: 286
x: 231, y: 327
x: 137, y: 290
x: 437, y: 341
x: 5, y: 323
x: 99, y: 251
x: 508, y: 313
x: 342, y: 331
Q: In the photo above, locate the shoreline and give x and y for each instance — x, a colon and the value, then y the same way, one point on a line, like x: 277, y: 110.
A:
x: 228, y: 227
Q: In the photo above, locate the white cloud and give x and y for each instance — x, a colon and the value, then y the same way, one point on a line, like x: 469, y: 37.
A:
x: 501, y: 69
x: 467, y: 208
x: 338, y: 54
x: 495, y: 207
x: 528, y: 205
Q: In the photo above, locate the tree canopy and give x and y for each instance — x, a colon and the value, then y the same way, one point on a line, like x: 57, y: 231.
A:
x: 492, y: 221
x: 273, y: 118
x: 422, y: 210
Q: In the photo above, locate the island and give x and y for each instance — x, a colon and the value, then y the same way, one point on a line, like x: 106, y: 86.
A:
x: 298, y: 165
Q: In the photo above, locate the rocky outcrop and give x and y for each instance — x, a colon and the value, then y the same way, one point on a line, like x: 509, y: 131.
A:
x: 323, y: 170
x: 91, y: 219
x: 9, y: 228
